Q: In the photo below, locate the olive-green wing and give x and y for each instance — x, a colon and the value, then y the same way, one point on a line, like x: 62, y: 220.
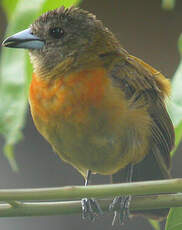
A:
x: 145, y: 86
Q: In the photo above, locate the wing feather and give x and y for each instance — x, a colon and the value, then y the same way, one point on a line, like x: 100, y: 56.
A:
x: 145, y: 86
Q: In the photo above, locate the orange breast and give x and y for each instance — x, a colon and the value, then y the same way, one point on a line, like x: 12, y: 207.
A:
x: 68, y: 95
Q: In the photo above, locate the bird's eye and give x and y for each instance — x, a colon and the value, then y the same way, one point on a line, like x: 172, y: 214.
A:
x: 56, y: 32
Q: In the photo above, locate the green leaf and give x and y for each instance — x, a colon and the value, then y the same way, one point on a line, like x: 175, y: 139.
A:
x: 50, y: 5
x: 13, y: 87
x: 16, y: 71
x: 8, y: 150
x: 155, y: 224
x: 174, y: 219
x: 175, y: 104
x: 6, y: 6
x: 178, y: 137
x: 168, y: 4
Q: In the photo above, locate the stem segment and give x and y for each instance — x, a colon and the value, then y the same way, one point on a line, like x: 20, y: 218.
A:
x: 96, y: 191
x: 74, y: 207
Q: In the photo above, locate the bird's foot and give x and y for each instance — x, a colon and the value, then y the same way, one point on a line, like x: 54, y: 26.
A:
x: 90, y: 208
x: 120, y: 206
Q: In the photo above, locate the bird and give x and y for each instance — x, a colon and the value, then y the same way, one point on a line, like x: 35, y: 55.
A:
x: 101, y: 109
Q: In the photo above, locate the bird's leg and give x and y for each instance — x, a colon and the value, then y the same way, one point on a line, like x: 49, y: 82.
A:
x: 120, y: 204
x: 90, y: 207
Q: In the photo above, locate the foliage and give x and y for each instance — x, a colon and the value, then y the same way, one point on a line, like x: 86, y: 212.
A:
x: 168, y: 4
x: 15, y: 70
x: 174, y: 220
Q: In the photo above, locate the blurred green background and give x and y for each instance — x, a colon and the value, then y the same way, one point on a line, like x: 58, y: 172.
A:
x: 145, y: 30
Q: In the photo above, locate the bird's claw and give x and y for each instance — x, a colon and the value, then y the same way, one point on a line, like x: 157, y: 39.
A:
x: 90, y: 208
x: 120, y: 206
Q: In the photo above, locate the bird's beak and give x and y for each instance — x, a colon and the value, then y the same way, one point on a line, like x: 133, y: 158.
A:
x: 25, y: 40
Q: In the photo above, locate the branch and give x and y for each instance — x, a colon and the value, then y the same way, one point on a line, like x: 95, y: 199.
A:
x: 13, y: 205
x: 74, y: 207
x: 97, y: 191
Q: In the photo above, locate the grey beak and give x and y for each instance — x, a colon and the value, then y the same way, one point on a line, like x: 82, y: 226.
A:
x: 25, y: 40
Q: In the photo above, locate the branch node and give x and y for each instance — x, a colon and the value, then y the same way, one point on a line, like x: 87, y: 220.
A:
x: 14, y: 204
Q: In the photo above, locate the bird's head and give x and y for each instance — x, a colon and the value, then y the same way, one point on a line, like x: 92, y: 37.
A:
x: 65, y: 38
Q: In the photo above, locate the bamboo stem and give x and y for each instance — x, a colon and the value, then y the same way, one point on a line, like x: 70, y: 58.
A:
x: 97, y: 191
x: 74, y: 207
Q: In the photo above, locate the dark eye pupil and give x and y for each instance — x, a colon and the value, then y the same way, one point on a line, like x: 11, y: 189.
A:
x: 56, y: 32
